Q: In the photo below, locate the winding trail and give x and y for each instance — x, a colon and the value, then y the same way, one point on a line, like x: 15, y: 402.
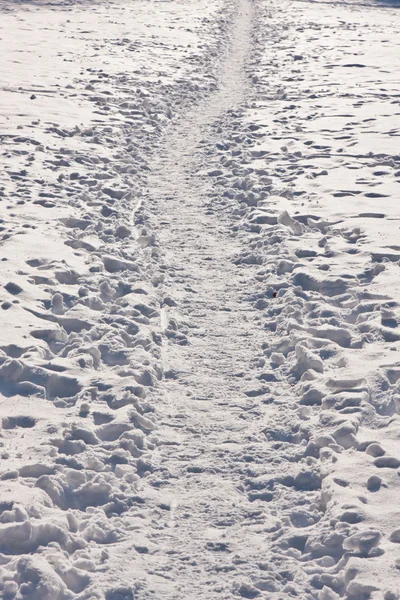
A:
x: 205, y: 431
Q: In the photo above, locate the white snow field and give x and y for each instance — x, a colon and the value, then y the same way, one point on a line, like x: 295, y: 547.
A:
x: 200, y: 299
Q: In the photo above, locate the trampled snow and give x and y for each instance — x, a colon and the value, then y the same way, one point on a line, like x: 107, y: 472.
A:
x: 199, y: 288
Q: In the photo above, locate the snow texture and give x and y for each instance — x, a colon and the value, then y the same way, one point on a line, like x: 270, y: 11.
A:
x: 199, y: 285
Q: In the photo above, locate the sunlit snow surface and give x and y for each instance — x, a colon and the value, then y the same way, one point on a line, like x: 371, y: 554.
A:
x: 199, y: 292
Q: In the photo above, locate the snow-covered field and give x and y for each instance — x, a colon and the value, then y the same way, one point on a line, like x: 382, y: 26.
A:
x: 200, y: 298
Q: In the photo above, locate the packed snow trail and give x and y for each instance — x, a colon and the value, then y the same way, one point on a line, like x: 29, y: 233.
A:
x: 205, y: 442
x: 218, y: 538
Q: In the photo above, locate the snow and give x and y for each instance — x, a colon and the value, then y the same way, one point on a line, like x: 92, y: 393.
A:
x: 199, y: 283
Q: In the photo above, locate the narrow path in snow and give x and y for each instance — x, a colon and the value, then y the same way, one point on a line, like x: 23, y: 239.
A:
x: 205, y: 440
